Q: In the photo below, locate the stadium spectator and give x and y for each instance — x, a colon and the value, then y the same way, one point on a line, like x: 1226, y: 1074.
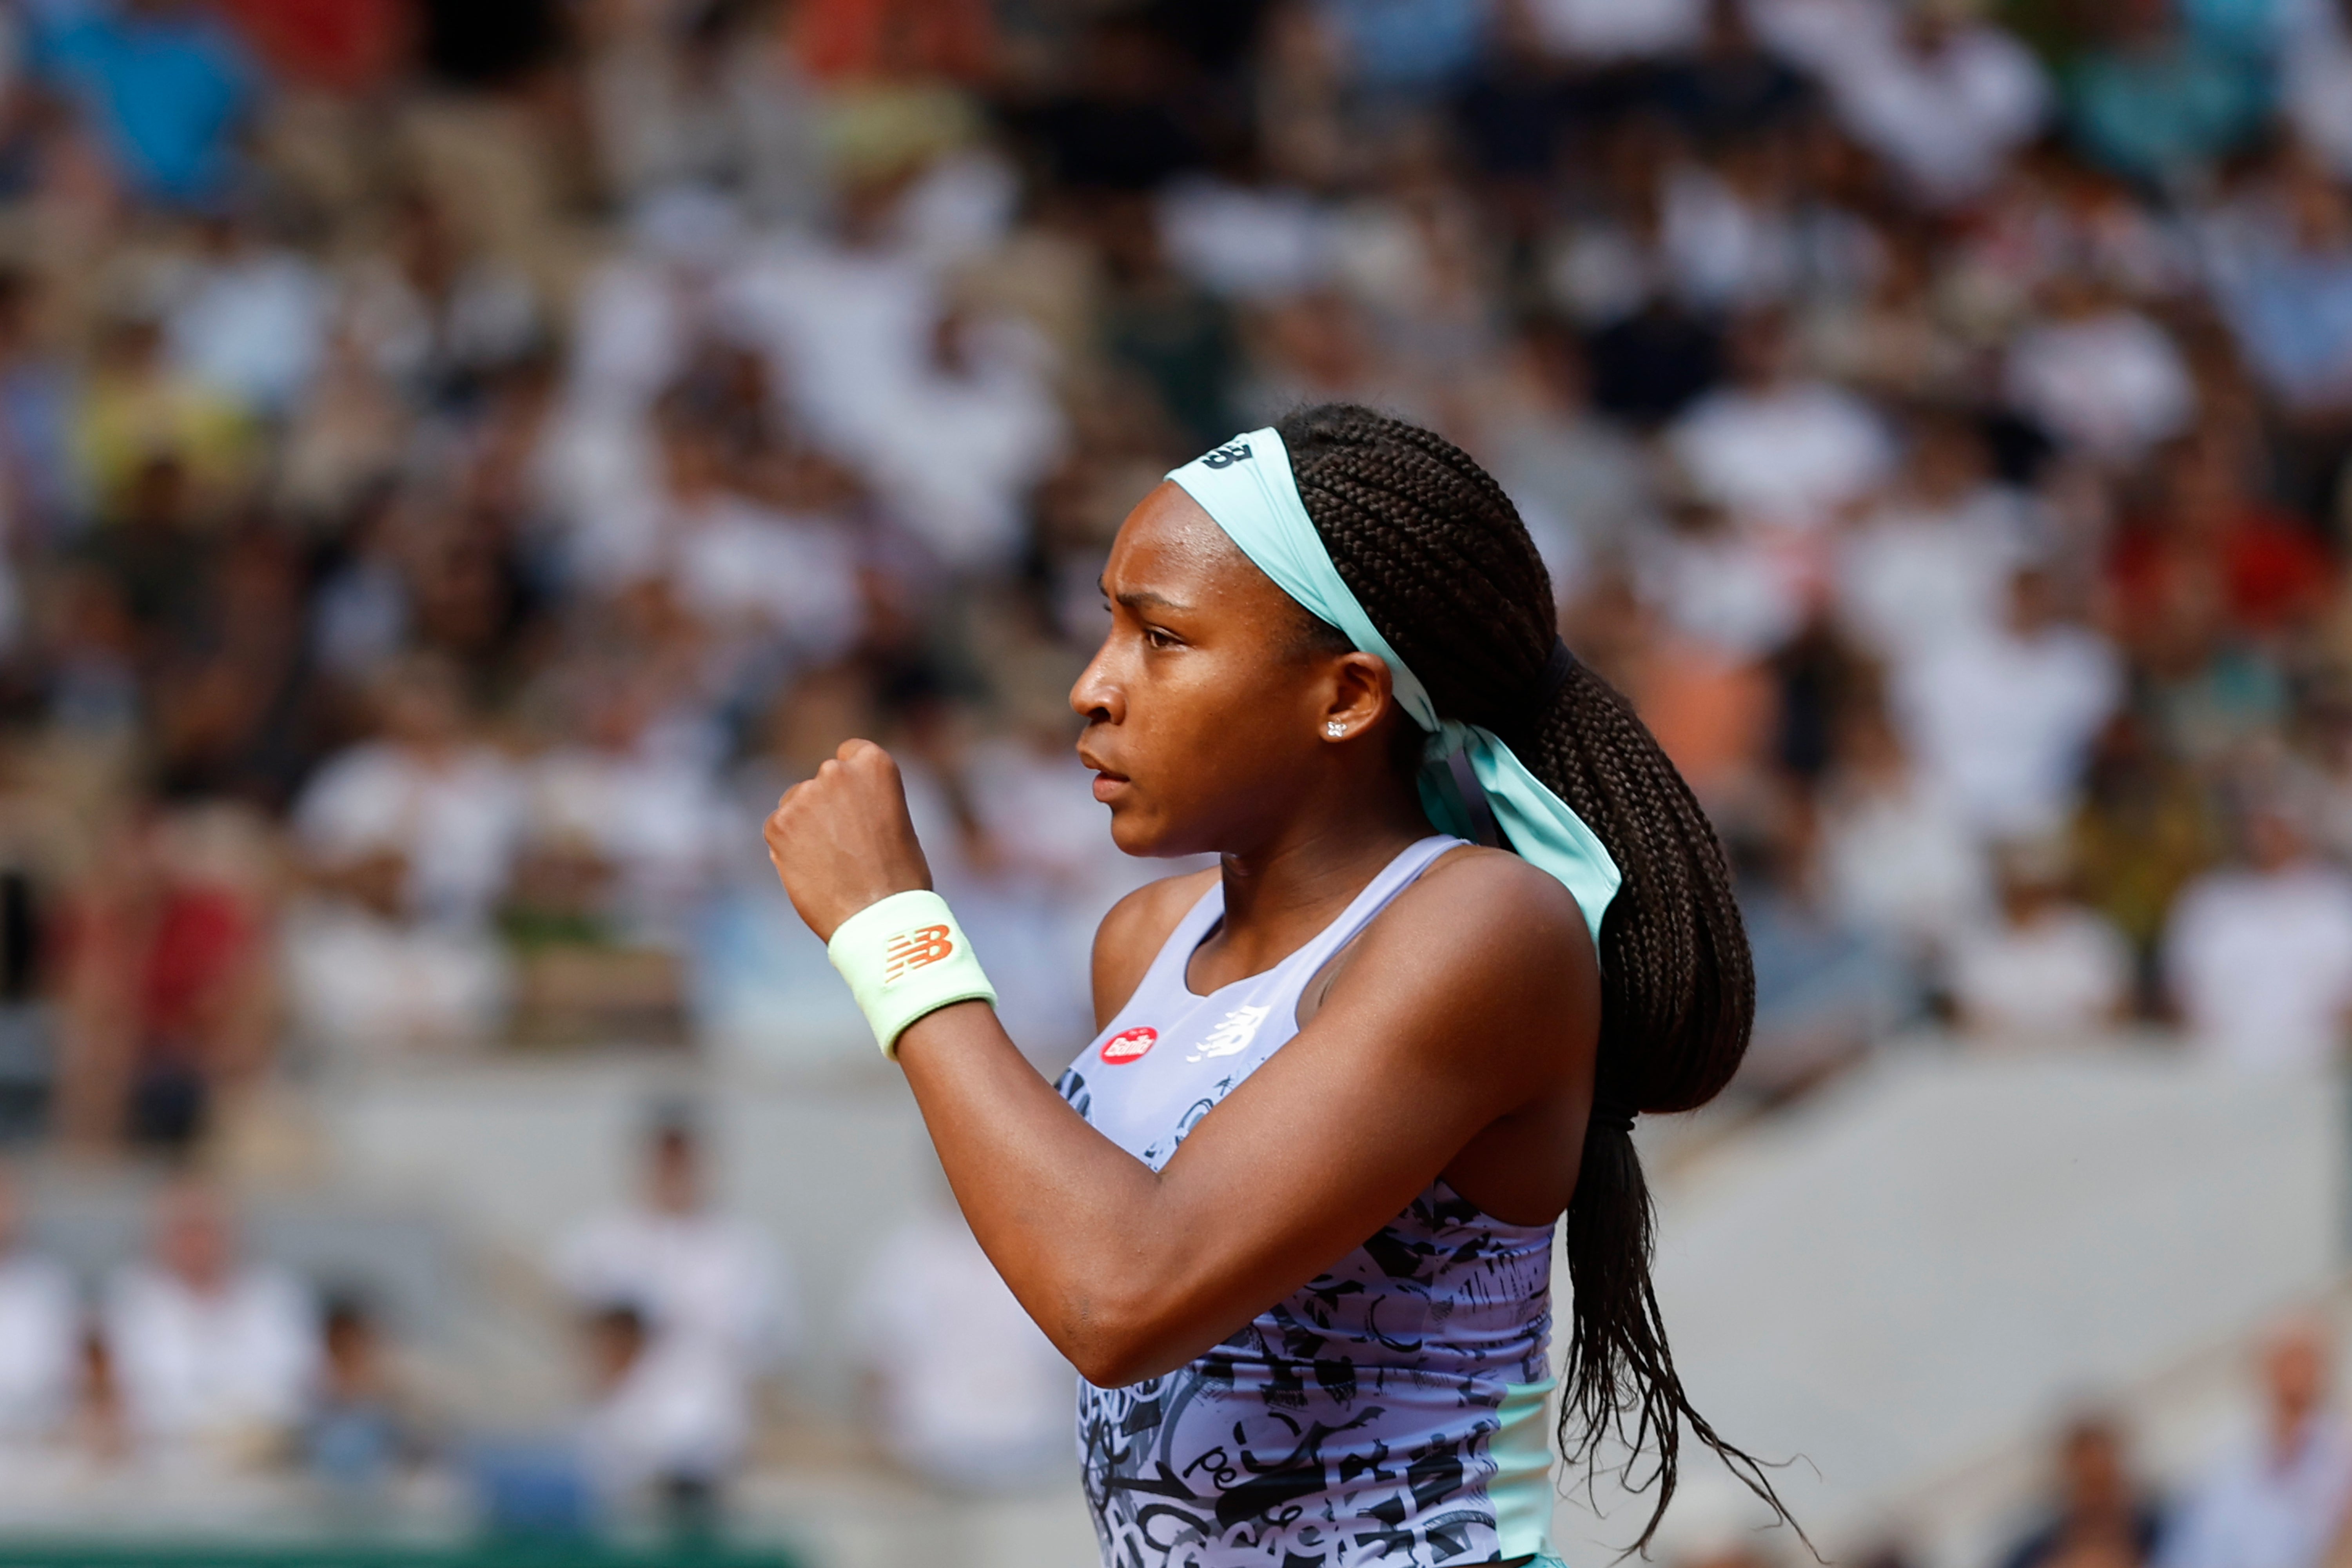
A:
x: 40, y: 1330
x: 168, y: 84
x: 2211, y: 531
x: 688, y: 1308
x: 250, y: 318
x: 1935, y: 90
x: 2006, y: 718
x: 410, y: 841
x: 1580, y: 481
x: 1775, y: 447
x: 2158, y: 100
x: 636, y: 796
x: 969, y: 1395
x: 356, y: 1431
x: 424, y: 791
x: 2046, y: 970
x: 2259, y: 954
x: 660, y: 1433
x: 2283, y: 274
x: 1896, y: 855
x: 1827, y: 989
x: 1931, y: 562
x: 167, y: 985
x: 1591, y: 32
x: 214, y: 1356
x: 2099, y: 1513
x: 2277, y: 1500
x: 2098, y: 375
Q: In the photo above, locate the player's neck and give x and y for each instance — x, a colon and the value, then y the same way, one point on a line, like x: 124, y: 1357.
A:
x: 1297, y: 882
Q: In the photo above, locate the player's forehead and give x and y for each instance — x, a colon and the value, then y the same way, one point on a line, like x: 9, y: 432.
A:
x: 1170, y: 553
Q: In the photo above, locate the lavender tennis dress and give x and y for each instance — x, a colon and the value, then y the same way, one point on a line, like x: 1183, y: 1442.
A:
x: 1388, y: 1415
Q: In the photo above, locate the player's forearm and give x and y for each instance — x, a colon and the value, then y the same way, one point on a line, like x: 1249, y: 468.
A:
x: 1082, y: 1232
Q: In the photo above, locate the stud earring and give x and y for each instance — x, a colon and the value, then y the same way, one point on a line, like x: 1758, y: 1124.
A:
x: 1335, y: 729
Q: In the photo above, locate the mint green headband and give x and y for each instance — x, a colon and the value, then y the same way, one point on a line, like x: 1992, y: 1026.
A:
x: 1247, y: 486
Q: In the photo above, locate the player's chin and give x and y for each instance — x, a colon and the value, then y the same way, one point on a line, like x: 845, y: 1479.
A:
x: 1136, y: 828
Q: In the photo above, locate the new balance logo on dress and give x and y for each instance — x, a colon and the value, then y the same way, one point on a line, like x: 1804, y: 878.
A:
x: 913, y: 950
x: 1227, y: 456
x: 1233, y: 1034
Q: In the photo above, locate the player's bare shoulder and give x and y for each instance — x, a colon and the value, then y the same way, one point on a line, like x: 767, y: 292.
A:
x: 1494, y: 917
x: 1131, y: 935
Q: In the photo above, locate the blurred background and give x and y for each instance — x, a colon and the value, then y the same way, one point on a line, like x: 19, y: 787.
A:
x: 459, y: 461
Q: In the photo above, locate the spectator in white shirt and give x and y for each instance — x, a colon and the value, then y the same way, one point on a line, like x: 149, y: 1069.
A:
x: 1897, y: 855
x: 969, y: 1392
x: 1773, y: 448
x: 1942, y: 96
x: 450, y: 806
x: 211, y: 1350
x: 2099, y: 376
x: 1601, y: 31
x: 718, y: 1304
x: 362, y: 977
x: 750, y: 573
x: 955, y: 447
x: 1933, y: 559
x: 410, y: 839
x: 2048, y: 970
x: 249, y: 320
x: 2278, y: 1501
x: 2258, y: 955
x: 2005, y: 719
x: 666, y: 1423
x: 40, y: 1330
x: 640, y: 801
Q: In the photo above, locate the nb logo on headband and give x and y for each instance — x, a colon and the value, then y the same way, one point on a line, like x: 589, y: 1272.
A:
x: 1227, y: 456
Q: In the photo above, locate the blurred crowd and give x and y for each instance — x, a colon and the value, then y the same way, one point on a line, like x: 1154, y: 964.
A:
x: 458, y: 463
x: 201, y: 1379
x: 2276, y: 1492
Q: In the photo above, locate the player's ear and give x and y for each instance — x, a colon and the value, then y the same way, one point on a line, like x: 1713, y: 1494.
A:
x: 1358, y: 694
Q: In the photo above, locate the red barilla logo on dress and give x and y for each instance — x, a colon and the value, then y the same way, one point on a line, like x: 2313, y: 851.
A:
x: 1129, y: 1044
x: 913, y: 950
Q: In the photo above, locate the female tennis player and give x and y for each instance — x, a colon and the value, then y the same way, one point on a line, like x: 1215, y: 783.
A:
x: 1332, y: 660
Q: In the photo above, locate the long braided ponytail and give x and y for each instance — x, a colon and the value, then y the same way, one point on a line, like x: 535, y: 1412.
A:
x: 1435, y: 552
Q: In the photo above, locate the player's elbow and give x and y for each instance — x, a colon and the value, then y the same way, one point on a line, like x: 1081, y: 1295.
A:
x: 1117, y: 1335
x: 1117, y: 1359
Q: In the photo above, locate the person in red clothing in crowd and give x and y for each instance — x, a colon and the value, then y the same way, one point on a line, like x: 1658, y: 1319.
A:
x: 164, y: 979
x: 348, y: 46
x: 895, y: 40
x: 2207, y: 531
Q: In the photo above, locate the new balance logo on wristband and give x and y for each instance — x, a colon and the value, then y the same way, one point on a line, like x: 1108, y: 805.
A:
x: 912, y: 950
x: 904, y: 957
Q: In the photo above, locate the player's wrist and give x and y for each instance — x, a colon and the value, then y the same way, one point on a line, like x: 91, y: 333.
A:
x: 905, y: 957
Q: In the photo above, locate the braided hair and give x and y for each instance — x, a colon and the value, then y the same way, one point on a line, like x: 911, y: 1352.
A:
x: 1436, y: 554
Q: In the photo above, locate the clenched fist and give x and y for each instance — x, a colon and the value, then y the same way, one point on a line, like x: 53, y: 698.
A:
x: 844, y: 840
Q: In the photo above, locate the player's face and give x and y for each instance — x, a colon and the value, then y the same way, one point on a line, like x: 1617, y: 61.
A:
x: 1202, y: 719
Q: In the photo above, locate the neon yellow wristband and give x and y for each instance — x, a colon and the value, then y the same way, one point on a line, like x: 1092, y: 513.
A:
x: 905, y: 957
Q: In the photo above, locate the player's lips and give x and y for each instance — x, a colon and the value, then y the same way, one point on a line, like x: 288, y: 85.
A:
x: 1108, y: 781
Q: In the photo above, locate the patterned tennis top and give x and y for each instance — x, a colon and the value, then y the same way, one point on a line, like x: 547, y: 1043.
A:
x: 1388, y: 1415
